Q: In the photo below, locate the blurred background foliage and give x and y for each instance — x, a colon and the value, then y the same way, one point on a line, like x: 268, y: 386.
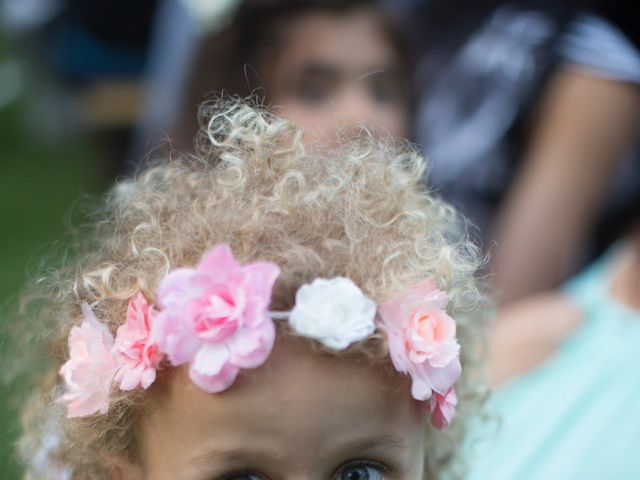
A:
x: 45, y: 167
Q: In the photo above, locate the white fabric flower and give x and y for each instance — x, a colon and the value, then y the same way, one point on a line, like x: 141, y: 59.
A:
x: 333, y: 311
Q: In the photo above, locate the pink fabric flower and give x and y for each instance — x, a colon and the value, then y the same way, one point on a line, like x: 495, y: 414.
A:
x: 422, y: 339
x: 89, y: 372
x: 443, y: 408
x: 215, y: 317
x: 137, y: 356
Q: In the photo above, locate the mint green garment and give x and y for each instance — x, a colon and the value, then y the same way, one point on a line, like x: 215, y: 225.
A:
x: 576, y: 416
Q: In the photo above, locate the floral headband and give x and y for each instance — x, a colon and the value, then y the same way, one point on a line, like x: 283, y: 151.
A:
x: 216, y: 318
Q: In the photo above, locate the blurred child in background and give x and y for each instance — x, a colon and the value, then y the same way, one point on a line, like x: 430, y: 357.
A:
x: 327, y: 65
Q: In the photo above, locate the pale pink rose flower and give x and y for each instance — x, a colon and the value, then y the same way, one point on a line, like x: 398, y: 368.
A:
x: 215, y: 317
x: 89, y: 372
x: 422, y: 339
x: 443, y: 408
x: 137, y: 355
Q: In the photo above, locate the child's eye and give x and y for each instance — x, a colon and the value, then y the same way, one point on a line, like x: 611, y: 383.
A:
x: 385, y: 89
x: 314, y: 91
x: 361, y: 471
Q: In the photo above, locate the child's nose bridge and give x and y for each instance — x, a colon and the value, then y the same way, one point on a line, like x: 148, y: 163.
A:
x: 308, y: 475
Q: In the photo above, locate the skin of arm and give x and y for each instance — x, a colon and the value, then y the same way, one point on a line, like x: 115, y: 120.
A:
x: 527, y: 332
x: 584, y: 127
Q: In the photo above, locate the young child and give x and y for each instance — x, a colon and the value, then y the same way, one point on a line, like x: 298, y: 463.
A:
x: 326, y: 65
x: 255, y: 311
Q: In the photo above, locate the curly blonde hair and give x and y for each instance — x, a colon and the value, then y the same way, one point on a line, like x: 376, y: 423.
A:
x: 357, y: 210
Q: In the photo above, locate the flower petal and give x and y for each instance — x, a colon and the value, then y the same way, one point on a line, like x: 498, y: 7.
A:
x: 252, y: 347
x: 215, y: 383
x: 210, y: 359
x: 443, y: 378
x: 443, y: 408
x: 130, y: 378
x: 262, y: 276
x: 172, y: 337
x: 174, y: 287
x: 218, y: 261
x: 147, y: 378
x: 421, y: 387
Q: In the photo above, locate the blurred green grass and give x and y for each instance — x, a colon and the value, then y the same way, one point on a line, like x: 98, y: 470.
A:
x: 40, y: 181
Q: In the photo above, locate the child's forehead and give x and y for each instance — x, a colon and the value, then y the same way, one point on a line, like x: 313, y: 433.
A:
x: 295, y: 376
x: 323, y: 35
x: 298, y: 399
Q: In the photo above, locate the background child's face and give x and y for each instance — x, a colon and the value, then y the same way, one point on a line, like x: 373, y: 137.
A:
x: 302, y: 415
x: 338, y: 70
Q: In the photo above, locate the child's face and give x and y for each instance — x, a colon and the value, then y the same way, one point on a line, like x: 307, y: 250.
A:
x: 302, y: 415
x: 338, y: 70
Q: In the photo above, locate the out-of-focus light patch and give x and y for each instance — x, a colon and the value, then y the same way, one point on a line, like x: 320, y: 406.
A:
x: 11, y: 80
x: 21, y: 15
x: 405, y: 4
x: 211, y: 16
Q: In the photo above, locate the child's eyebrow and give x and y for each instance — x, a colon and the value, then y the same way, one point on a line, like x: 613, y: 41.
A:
x: 334, y: 71
x: 322, y: 69
x: 225, y: 459
x: 237, y: 457
x: 387, y: 442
